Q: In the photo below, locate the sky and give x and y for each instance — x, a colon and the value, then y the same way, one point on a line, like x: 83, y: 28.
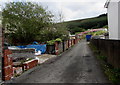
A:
x: 71, y: 9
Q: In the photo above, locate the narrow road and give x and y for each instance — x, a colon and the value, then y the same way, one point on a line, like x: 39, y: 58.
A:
x: 77, y: 65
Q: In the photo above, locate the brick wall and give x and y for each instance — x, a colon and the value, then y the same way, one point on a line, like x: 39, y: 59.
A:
x: 7, y: 65
x: 7, y: 61
x: 0, y: 53
x: 30, y: 64
x: 60, y: 47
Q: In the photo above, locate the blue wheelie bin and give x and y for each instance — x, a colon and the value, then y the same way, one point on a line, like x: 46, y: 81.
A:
x: 88, y: 37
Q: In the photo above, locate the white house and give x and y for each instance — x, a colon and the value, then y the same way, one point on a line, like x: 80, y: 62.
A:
x: 0, y: 51
x: 113, y: 8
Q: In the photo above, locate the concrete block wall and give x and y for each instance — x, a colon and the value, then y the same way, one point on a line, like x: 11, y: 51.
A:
x: 19, y: 53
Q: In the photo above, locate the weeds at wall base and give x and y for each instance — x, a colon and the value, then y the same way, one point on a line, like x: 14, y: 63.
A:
x: 112, y: 73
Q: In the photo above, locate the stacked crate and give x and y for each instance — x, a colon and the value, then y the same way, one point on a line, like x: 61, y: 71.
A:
x: 7, y: 70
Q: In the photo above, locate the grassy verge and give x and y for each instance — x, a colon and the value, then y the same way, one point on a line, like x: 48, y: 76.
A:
x: 112, y: 73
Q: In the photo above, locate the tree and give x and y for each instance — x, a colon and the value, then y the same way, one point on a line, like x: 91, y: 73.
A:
x: 61, y: 27
x: 53, y: 33
x: 24, y: 21
x: 57, y: 30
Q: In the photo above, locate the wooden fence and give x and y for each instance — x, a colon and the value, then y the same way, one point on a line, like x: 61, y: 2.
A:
x: 110, y: 48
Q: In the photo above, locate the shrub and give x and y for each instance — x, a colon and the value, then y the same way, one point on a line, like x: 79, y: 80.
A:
x: 59, y: 40
x: 51, y: 42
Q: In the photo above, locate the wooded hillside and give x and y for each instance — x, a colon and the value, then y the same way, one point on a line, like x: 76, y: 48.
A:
x: 84, y: 24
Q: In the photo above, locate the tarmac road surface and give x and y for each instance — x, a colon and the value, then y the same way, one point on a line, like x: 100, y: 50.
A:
x: 77, y: 65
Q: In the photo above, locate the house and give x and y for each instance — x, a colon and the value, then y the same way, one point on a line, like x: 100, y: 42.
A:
x: 0, y: 51
x: 113, y: 9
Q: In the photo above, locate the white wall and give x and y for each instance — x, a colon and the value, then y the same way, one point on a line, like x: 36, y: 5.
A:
x: 0, y: 51
x: 113, y: 20
x: 119, y: 20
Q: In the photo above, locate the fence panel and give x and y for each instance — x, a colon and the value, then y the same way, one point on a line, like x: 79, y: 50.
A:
x: 117, y: 54
x: 109, y: 48
x: 110, y: 58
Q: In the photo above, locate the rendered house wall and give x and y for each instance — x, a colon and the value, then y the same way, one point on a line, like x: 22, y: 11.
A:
x: 113, y: 20
x: 0, y: 52
x: 118, y: 20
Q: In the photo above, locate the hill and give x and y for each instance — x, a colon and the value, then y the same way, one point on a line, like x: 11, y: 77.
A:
x: 89, y: 23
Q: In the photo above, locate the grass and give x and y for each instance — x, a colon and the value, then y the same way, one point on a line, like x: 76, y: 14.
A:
x: 112, y: 73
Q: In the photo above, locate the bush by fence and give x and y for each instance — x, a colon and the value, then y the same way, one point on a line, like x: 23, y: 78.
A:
x: 109, y: 48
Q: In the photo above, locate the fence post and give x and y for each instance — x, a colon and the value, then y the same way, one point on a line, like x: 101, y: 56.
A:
x: 63, y: 43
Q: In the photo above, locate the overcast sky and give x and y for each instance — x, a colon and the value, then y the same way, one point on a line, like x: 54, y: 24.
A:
x: 72, y: 9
